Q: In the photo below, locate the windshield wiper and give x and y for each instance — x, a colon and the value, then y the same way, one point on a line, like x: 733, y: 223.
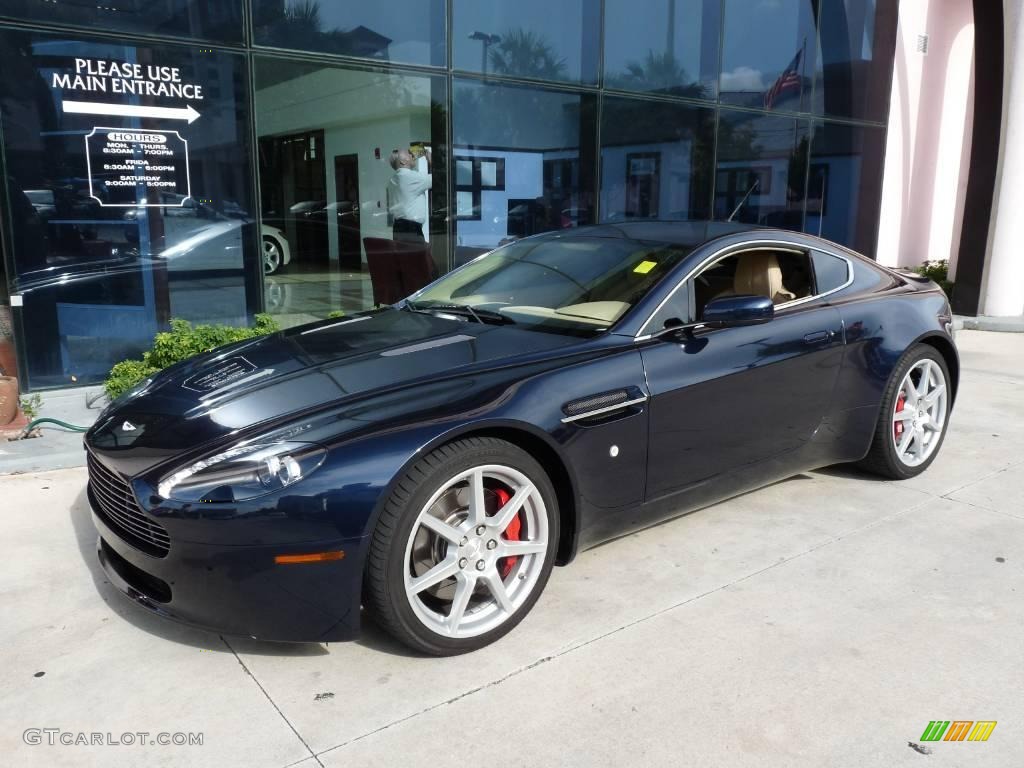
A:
x: 478, y: 314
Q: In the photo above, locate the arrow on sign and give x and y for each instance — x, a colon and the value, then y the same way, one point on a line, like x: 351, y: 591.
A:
x: 131, y: 110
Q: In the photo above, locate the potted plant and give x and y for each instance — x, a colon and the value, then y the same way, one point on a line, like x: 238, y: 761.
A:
x: 8, y: 365
x: 8, y: 399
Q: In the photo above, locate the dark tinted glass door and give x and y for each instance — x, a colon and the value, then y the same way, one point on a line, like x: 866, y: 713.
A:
x: 130, y: 197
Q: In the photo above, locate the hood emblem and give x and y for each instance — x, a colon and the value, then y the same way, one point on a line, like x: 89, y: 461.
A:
x: 128, y: 427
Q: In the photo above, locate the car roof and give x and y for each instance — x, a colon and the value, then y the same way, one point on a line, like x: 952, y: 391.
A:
x: 689, y: 234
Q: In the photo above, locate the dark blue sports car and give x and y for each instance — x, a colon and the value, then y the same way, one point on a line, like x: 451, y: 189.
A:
x: 431, y: 461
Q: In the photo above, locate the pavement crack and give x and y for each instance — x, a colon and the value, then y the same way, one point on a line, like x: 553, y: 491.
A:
x: 975, y: 481
x: 272, y: 702
x: 452, y: 700
x: 983, y: 508
x: 629, y: 625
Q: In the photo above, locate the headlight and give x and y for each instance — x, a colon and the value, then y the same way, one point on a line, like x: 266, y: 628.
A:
x: 243, y: 472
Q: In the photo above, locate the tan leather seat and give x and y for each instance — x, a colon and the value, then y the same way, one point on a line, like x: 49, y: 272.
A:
x: 758, y: 274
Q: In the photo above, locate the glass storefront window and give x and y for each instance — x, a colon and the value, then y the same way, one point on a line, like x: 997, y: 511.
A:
x: 769, y: 54
x: 857, y: 46
x: 656, y: 160
x: 411, y: 31
x: 670, y: 48
x: 760, y: 169
x: 563, y: 114
x: 844, y: 184
x: 530, y: 38
x: 129, y: 194
x: 219, y: 20
x: 357, y: 230
x: 524, y: 163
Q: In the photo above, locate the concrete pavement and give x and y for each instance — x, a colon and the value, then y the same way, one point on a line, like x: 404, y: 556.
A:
x: 823, y: 621
x: 58, y: 448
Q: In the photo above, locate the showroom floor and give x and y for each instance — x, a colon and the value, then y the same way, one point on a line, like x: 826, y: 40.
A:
x: 823, y: 621
x: 295, y: 297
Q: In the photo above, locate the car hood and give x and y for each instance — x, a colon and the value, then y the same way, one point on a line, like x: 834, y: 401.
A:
x: 294, y: 371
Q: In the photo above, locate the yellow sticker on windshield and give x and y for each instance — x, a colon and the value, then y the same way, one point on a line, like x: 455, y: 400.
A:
x: 644, y: 267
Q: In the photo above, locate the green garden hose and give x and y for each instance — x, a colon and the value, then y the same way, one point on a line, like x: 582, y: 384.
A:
x: 35, y: 422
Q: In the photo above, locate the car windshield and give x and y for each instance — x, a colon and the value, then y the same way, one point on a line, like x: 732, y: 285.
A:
x: 576, y: 285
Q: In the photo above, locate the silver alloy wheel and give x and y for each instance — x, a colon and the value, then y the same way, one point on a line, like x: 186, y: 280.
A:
x: 271, y: 256
x: 919, y: 414
x: 459, y: 579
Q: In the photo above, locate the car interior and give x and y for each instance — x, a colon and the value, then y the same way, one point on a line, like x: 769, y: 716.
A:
x: 591, y: 284
x: 588, y: 283
x: 608, y: 297
x: 781, y: 275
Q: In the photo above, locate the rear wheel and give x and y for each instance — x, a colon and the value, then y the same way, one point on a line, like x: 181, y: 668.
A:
x: 915, y: 412
x: 272, y: 255
x: 463, y: 547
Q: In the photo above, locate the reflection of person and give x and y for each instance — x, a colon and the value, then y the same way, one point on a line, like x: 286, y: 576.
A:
x: 407, y: 193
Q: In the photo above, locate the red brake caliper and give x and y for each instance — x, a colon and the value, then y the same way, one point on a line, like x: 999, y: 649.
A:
x: 898, y: 426
x: 511, y: 533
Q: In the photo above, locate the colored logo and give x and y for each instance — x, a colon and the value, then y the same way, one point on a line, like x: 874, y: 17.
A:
x: 958, y: 730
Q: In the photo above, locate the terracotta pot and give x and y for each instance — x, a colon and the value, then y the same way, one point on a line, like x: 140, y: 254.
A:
x: 8, y: 399
x: 8, y: 362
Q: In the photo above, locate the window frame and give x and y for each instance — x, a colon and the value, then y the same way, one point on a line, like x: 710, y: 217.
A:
x: 732, y: 250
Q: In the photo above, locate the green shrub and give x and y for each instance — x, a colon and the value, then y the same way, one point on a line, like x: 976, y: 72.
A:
x: 937, y: 271
x: 126, y: 375
x: 30, y: 405
x: 183, y: 341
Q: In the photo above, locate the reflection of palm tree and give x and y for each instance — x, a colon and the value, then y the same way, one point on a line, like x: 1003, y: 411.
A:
x: 305, y: 14
x: 658, y: 72
x: 527, y: 54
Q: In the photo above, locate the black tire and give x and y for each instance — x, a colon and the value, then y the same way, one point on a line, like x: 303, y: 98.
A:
x: 384, y: 593
x: 882, y: 458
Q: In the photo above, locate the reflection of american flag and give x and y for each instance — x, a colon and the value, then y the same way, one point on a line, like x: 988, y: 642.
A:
x: 789, y: 80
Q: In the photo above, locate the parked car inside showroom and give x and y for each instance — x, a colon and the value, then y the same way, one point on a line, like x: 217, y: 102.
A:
x: 202, y: 238
x: 431, y: 461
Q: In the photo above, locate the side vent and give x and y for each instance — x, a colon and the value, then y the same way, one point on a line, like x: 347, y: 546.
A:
x: 595, y: 402
x: 603, y: 404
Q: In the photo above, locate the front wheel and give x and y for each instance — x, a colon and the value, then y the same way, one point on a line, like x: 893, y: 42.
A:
x: 463, y: 548
x: 915, y: 411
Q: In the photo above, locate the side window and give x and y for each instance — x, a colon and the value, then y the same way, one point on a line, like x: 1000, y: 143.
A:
x: 676, y: 308
x: 781, y: 275
x: 830, y: 272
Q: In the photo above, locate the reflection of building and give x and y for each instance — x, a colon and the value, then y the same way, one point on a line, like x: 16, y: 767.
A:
x: 541, y: 116
x: 364, y: 42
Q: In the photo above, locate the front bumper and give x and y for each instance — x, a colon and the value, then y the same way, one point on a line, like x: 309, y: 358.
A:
x: 239, y: 590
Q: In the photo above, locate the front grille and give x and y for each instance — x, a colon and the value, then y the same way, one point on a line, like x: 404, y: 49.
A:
x: 117, y: 506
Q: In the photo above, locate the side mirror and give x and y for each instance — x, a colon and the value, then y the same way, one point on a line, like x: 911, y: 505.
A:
x: 732, y: 311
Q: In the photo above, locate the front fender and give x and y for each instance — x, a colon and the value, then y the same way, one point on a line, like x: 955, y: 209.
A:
x: 591, y: 481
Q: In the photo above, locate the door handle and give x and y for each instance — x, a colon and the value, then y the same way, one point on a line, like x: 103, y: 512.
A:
x: 817, y: 337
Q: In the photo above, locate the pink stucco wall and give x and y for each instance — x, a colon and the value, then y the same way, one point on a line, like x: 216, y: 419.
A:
x: 929, y: 140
